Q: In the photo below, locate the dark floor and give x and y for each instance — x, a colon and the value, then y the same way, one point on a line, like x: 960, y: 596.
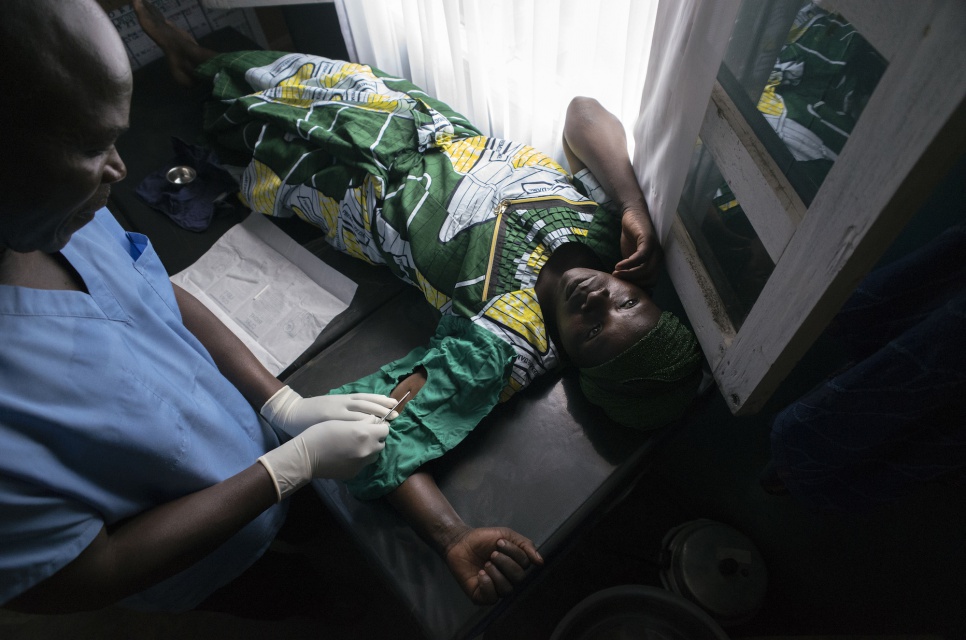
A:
x: 898, y: 570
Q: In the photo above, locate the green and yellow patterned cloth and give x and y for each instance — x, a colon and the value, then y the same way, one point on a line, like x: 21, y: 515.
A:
x: 822, y: 79
x: 397, y: 178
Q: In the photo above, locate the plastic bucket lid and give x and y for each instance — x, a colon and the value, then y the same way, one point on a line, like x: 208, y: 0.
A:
x: 717, y: 567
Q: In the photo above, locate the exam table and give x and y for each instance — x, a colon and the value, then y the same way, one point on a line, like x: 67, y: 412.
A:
x: 546, y: 463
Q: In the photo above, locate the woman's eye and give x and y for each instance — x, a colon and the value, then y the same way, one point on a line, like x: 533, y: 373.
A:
x: 630, y: 303
x: 594, y: 331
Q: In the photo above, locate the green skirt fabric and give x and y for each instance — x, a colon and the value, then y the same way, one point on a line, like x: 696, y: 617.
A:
x: 462, y: 362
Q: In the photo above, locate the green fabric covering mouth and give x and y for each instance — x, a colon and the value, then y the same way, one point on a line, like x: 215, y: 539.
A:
x: 651, y: 382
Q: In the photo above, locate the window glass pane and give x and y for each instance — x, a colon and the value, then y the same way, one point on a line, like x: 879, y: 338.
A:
x: 727, y: 245
x: 801, y: 77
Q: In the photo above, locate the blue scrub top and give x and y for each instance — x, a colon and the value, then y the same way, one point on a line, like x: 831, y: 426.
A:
x: 110, y: 406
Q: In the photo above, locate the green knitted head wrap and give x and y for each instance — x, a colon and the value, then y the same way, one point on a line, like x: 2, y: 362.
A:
x: 650, y: 383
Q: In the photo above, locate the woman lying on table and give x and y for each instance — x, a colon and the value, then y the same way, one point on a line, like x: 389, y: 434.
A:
x: 517, y: 255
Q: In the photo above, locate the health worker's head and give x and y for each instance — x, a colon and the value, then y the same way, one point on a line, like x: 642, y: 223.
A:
x: 67, y: 93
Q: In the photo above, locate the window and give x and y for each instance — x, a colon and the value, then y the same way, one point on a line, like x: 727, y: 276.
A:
x: 823, y: 133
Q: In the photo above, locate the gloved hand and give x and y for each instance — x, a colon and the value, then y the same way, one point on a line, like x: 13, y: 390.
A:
x: 293, y: 414
x: 334, y: 449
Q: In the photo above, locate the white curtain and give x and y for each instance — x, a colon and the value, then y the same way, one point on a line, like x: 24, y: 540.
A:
x: 510, y: 66
x: 690, y: 40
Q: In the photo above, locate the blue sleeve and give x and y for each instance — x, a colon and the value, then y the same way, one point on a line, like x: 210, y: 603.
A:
x: 40, y: 533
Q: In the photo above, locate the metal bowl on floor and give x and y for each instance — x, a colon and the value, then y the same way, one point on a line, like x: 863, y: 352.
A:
x: 182, y: 174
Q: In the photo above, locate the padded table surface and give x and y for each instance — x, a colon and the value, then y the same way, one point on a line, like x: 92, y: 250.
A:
x: 542, y: 464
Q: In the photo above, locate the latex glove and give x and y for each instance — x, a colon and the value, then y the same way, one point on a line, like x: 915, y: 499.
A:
x: 335, y: 449
x: 293, y: 414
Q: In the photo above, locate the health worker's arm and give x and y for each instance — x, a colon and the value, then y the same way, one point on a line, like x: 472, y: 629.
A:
x: 235, y: 361
x: 594, y: 138
x: 158, y: 543
x: 154, y: 545
x: 285, y: 409
x: 486, y: 561
x: 333, y: 436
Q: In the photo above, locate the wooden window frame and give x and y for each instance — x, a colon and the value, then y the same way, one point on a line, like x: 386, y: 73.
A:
x: 909, y: 135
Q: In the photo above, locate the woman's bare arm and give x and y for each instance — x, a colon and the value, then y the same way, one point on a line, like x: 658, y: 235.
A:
x: 486, y: 561
x: 594, y: 138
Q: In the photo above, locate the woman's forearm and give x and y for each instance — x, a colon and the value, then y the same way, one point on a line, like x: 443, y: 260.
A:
x: 418, y: 499
x: 428, y: 512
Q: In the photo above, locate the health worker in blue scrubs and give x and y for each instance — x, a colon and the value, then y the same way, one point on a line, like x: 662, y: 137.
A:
x: 134, y: 465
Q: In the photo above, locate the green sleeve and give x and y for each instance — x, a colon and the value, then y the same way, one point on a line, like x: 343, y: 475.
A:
x: 467, y: 369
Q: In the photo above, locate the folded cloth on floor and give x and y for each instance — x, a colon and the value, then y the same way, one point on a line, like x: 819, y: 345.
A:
x: 191, y: 205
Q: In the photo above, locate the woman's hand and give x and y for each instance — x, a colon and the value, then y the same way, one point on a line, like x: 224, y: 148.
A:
x: 488, y: 562
x: 640, y: 248
x: 594, y: 138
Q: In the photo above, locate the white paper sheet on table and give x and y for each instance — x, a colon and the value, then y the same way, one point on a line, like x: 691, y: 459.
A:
x: 272, y: 293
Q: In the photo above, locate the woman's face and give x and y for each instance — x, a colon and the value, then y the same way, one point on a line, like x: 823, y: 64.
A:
x: 598, y: 316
